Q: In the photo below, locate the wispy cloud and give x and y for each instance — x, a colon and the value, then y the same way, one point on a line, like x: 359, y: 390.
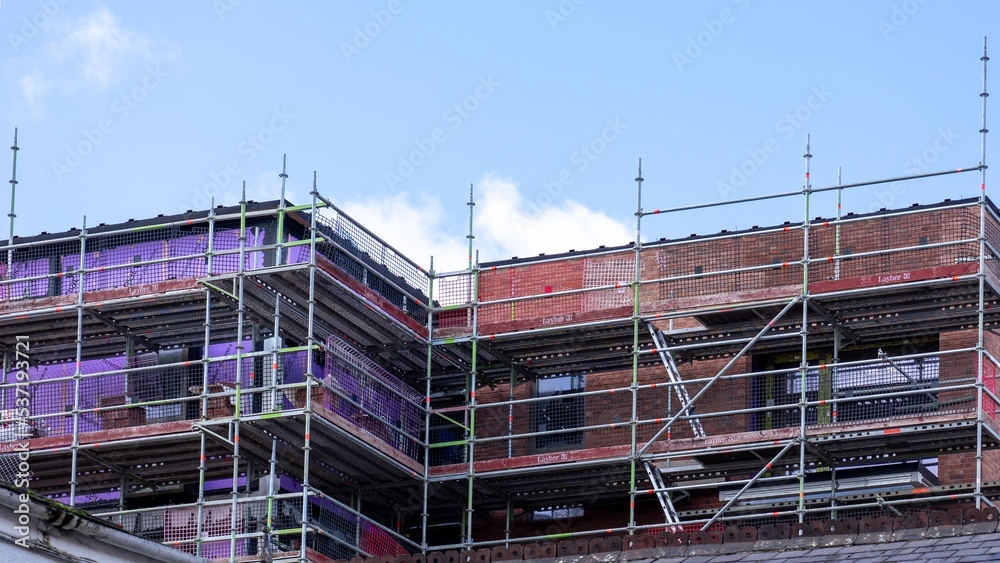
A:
x: 104, y: 45
x: 414, y: 226
x: 33, y: 86
x: 268, y: 187
x: 80, y: 55
x: 522, y: 229
x: 505, y: 225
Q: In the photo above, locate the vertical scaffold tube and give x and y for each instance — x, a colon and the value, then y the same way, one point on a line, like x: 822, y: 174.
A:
x: 473, y: 366
x: 77, y: 373
x: 804, y: 334
x: 279, y: 240
x: 275, y: 405
x: 981, y: 278
x: 634, y: 388
x: 205, y: 365
x: 427, y: 407
x: 11, y: 216
x: 238, y: 407
x: 310, y: 376
x: 266, y: 551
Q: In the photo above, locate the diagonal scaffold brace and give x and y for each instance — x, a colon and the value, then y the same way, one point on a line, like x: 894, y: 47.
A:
x: 684, y: 409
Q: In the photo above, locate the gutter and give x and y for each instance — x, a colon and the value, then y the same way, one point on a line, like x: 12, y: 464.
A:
x: 57, y: 515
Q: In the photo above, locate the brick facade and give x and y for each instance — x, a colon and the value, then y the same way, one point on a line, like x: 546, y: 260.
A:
x: 774, y: 259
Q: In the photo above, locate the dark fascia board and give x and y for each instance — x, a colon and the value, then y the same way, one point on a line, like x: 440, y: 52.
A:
x: 158, y: 220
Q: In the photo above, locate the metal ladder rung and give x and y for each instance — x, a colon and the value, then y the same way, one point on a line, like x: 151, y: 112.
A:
x: 673, y: 374
x: 665, y: 502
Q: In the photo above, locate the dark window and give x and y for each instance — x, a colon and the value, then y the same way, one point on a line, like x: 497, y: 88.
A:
x: 859, y: 390
x: 564, y: 412
x: 556, y: 513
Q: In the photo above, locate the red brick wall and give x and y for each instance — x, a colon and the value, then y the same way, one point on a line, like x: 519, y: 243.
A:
x: 961, y: 467
x: 760, y: 249
x: 681, y: 258
x: 616, y: 408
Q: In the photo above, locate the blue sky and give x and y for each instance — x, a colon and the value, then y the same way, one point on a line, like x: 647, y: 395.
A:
x: 131, y: 109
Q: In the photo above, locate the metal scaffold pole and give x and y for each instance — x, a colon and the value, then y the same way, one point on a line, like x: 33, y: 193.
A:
x: 634, y: 387
x: 309, y: 376
x: 804, y: 335
x: 837, y: 340
x: 509, y: 514
x: 472, y: 383
x: 205, y: 368
x: 13, y: 188
x: 238, y: 407
x: 275, y: 405
x: 77, y: 373
x: 10, y: 252
x: 266, y: 549
x: 280, y: 236
x: 424, y: 515
x: 981, y: 278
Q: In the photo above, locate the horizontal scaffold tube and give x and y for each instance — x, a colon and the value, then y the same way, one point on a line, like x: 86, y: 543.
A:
x: 684, y: 409
x: 812, y: 190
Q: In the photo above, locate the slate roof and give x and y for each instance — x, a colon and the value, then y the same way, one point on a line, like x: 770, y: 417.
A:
x: 955, y: 535
x: 957, y: 549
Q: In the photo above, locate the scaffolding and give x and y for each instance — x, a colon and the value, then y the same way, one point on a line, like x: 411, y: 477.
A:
x: 676, y: 335
x: 275, y: 379
x: 197, y: 379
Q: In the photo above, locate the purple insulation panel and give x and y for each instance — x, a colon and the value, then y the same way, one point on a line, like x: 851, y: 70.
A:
x: 109, y: 277
x: 368, y: 395
x: 223, y: 241
x: 255, y: 260
x: 227, y: 241
x: 113, y: 270
x: 187, y: 268
x: 26, y: 289
x: 181, y: 257
x: 52, y: 396
x: 297, y: 254
x: 225, y: 371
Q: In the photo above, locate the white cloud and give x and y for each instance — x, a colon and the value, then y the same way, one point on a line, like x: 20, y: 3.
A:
x: 415, y: 228
x: 103, y: 45
x: 79, y: 56
x: 506, y: 224
x: 268, y: 188
x: 519, y: 227
x: 33, y: 86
